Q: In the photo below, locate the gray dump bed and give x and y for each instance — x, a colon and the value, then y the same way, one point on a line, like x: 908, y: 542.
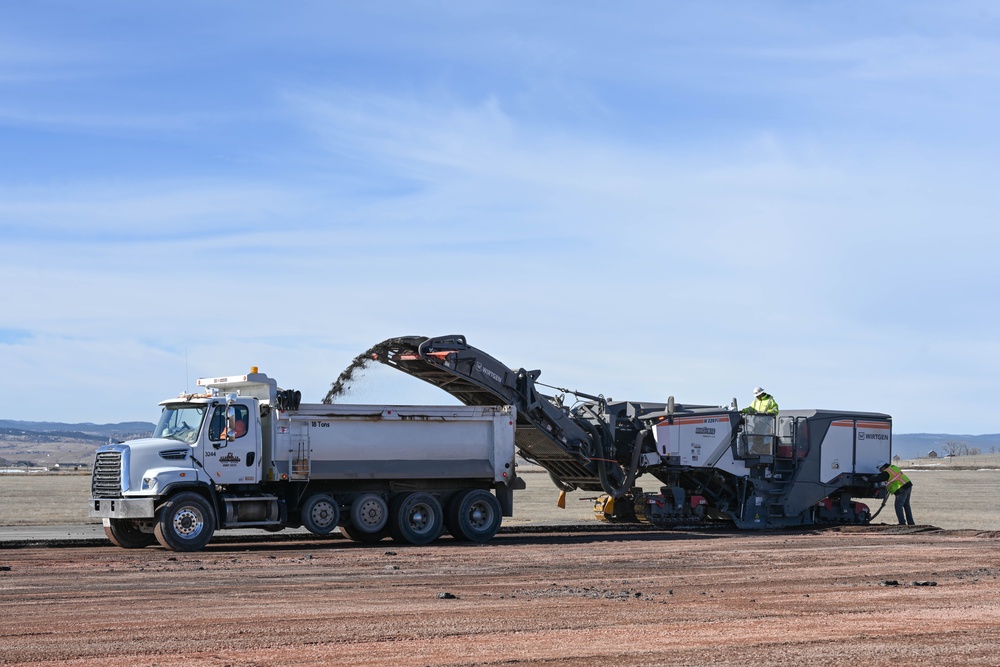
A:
x: 357, y: 442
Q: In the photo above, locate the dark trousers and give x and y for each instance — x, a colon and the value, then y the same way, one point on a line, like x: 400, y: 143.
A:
x: 903, y: 512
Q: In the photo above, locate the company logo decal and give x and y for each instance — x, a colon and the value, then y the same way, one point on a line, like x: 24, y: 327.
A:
x: 493, y: 375
x: 230, y: 458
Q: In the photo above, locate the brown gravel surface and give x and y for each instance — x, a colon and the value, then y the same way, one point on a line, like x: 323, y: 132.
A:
x: 577, y: 597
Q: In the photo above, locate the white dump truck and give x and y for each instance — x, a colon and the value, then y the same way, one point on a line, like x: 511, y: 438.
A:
x: 244, y: 453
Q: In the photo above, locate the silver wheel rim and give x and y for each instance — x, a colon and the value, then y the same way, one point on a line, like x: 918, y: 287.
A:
x: 421, y: 517
x: 322, y: 514
x: 372, y: 513
x: 188, y: 523
x: 480, y: 515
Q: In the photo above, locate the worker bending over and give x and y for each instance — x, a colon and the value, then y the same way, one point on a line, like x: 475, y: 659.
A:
x: 900, y: 486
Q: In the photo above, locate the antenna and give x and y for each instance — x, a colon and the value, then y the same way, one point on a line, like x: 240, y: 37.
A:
x: 187, y: 382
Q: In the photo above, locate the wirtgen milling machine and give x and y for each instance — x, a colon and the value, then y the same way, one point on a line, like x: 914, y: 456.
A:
x: 800, y: 467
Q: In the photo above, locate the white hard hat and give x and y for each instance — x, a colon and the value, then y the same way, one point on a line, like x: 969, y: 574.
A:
x: 881, y: 464
x: 757, y: 391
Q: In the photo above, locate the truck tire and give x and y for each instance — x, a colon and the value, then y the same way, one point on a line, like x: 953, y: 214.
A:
x: 369, y: 514
x: 186, y: 522
x: 416, y: 518
x: 474, y: 515
x: 352, y: 533
x: 320, y: 514
x: 125, y: 533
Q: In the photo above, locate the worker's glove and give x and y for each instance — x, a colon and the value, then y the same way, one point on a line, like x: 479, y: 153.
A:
x: 748, y: 411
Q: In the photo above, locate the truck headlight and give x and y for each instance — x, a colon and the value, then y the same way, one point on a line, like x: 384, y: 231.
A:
x: 148, y: 483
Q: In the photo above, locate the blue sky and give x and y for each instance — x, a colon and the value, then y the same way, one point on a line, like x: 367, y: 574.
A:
x: 641, y: 199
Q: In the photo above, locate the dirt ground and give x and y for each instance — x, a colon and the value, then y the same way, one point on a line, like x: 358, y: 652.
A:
x: 879, y: 595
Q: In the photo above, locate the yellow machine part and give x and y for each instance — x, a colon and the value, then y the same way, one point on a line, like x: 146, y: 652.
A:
x: 604, y: 507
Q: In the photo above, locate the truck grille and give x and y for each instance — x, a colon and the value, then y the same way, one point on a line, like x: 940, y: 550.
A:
x: 107, y: 479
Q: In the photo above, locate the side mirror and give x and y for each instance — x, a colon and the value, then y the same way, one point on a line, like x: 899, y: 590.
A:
x: 231, y: 423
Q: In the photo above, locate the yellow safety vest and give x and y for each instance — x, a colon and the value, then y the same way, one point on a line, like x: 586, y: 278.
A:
x: 765, y: 405
x: 897, y: 479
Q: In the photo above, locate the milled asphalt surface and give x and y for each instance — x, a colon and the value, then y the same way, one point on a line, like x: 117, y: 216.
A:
x: 92, y: 535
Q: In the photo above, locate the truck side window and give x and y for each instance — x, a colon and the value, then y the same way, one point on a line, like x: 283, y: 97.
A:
x: 242, y: 421
x: 217, y: 429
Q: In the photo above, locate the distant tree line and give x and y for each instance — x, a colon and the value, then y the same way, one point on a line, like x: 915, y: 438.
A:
x: 957, y: 448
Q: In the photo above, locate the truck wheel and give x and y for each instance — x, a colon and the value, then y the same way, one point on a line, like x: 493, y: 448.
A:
x: 186, y: 523
x: 369, y: 514
x: 355, y: 535
x: 125, y: 533
x: 416, y: 518
x: 320, y: 514
x: 474, y: 515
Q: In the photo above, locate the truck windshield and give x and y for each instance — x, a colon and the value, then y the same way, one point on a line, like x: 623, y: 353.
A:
x: 180, y: 423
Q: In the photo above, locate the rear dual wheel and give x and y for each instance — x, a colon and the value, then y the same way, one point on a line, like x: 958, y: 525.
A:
x: 416, y: 518
x: 352, y: 533
x: 369, y: 519
x: 320, y: 514
x: 474, y: 515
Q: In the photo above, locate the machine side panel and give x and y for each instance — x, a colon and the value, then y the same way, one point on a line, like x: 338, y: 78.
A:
x: 697, y: 441
x: 837, y: 450
x: 874, y: 445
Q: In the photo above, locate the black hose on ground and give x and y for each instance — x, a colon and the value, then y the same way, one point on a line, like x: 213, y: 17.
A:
x: 885, y: 499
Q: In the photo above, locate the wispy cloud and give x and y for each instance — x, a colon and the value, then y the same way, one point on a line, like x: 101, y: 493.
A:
x: 641, y: 199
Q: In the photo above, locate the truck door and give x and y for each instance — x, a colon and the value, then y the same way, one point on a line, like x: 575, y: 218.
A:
x: 233, y: 462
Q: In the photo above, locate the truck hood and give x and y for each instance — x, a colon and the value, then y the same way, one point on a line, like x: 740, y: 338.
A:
x: 177, y: 448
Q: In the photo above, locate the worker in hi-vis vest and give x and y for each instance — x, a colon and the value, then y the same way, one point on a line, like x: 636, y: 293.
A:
x: 763, y: 403
x: 900, y: 486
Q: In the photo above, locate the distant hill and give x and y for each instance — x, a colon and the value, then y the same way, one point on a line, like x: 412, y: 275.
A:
x: 107, y: 430
x: 47, y: 443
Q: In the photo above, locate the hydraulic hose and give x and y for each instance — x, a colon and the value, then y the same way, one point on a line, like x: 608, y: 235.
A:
x: 603, y: 462
x: 885, y: 499
x: 634, y: 463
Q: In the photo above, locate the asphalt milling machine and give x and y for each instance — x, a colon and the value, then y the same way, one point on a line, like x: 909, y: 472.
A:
x: 707, y: 463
